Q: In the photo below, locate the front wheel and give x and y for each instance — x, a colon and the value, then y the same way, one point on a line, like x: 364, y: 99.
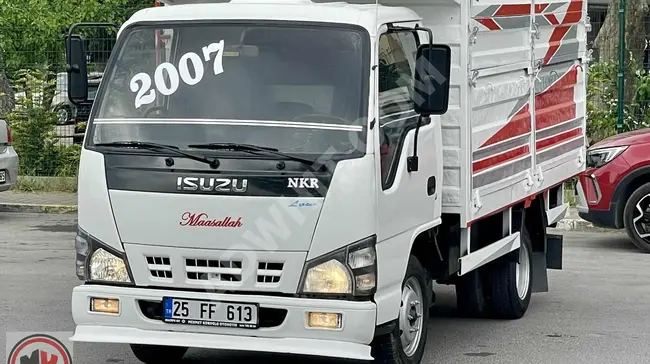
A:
x: 405, y: 345
x: 153, y: 354
x: 636, y: 217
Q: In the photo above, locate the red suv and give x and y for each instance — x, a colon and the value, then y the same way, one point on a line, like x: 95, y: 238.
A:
x: 614, y: 191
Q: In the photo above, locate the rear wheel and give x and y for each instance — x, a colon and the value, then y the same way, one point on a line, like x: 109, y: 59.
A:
x: 405, y: 345
x: 636, y: 217
x: 509, y: 281
x: 153, y: 354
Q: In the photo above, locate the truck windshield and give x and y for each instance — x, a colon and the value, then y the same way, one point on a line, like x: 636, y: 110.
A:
x: 295, y: 88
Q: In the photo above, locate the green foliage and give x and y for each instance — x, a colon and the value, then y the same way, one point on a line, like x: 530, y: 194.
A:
x: 33, y: 124
x: 602, y: 100
x: 32, y: 32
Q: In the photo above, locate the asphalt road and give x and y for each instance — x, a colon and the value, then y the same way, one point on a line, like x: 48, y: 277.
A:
x: 596, y: 311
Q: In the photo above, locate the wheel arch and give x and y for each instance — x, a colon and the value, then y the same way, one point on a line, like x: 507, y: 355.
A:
x: 624, y: 189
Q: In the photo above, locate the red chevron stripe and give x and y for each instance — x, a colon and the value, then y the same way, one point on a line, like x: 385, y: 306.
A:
x: 557, y: 139
x: 552, y: 19
x: 552, y: 106
x: 513, y: 10
x: 489, y: 23
x: 518, y: 125
x: 519, y: 9
x: 573, y: 15
x: 557, y: 104
x: 499, y: 159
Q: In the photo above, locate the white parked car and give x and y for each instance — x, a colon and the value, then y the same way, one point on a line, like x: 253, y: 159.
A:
x: 8, y: 159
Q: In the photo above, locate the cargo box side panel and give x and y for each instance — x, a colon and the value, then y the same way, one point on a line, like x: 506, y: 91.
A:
x: 560, y: 91
x: 501, y: 138
x: 448, y: 21
x: 502, y: 33
x: 560, y: 107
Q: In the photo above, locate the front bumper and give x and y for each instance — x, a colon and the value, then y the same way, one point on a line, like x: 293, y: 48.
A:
x: 582, y: 205
x: 8, y: 163
x: 601, y: 218
x: 291, y: 335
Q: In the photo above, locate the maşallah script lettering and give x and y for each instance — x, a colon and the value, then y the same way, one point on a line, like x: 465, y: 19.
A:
x: 202, y: 219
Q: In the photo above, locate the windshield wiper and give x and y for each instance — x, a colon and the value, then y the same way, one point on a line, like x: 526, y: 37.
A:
x: 250, y: 148
x: 214, y: 163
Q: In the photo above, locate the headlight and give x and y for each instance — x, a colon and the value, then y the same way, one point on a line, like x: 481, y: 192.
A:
x: 599, y: 157
x: 96, y: 262
x: 106, y: 267
x: 351, y: 270
x: 328, y: 277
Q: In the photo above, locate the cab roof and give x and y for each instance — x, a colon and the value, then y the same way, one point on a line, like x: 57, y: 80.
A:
x: 282, y: 10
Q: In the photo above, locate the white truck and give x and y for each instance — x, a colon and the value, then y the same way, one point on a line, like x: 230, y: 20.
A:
x: 289, y: 176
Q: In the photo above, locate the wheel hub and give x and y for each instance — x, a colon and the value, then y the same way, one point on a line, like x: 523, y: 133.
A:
x: 522, y: 273
x: 410, y: 317
x: 641, y: 219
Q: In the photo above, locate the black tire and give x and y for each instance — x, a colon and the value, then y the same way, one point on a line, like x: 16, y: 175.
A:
x: 504, y: 301
x: 629, y: 214
x: 388, y: 349
x: 154, y: 354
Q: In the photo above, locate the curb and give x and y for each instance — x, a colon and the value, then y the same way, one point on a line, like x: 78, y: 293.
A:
x: 574, y: 224
x: 37, y: 208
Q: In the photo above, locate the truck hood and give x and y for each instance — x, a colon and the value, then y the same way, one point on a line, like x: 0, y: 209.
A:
x: 245, y: 205
x: 640, y: 136
x: 239, y: 223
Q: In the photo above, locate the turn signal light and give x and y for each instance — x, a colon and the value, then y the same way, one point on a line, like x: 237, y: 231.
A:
x: 105, y: 305
x: 325, y: 320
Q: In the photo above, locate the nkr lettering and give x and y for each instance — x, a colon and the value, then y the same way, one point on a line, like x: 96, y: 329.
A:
x: 300, y: 182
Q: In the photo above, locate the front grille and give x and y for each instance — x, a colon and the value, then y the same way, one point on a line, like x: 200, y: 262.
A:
x: 213, y: 270
x: 268, y: 272
x: 159, y: 267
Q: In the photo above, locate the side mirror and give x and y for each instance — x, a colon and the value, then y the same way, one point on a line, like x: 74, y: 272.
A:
x: 76, y: 68
x: 432, y: 74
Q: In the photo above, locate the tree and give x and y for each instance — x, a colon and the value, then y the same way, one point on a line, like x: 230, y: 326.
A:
x: 32, y: 33
x: 607, y: 41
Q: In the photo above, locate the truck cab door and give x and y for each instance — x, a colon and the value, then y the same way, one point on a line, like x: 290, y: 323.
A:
x: 407, y: 200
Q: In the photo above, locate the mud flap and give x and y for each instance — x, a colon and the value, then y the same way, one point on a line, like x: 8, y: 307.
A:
x: 551, y: 259
x: 540, y: 277
x: 554, y: 251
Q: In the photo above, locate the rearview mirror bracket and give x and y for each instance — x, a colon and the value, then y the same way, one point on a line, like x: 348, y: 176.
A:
x: 76, y: 63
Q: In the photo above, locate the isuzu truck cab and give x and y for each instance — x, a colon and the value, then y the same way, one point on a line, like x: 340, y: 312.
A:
x: 293, y: 176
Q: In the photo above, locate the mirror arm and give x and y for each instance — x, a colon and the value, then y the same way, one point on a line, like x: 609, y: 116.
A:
x: 90, y: 25
x: 412, y: 163
x: 74, y: 68
x: 418, y: 27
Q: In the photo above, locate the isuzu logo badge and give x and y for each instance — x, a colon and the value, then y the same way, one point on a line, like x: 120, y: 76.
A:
x: 212, y: 184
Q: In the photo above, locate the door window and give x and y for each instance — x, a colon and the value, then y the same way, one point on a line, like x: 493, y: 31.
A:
x: 397, y: 52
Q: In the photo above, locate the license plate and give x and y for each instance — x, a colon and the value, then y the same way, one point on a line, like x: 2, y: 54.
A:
x: 3, y: 176
x: 210, y: 313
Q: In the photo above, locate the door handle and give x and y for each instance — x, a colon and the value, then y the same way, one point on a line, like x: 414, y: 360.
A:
x: 431, y: 185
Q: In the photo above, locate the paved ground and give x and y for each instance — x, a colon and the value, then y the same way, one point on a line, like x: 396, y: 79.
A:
x: 595, y: 312
x: 34, y: 198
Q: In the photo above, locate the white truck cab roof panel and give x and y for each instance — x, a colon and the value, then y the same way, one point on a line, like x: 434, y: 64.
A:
x: 305, y: 11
